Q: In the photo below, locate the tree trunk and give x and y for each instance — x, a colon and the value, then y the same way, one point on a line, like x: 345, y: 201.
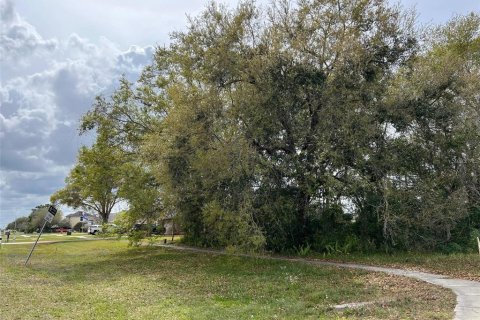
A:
x: 301, y: 219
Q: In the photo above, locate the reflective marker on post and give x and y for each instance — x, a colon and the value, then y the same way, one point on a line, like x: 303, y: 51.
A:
x: 48, y: 218
x: 478, y: 242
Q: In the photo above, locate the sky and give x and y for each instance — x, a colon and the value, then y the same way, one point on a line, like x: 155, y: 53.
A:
x: 57, y: 55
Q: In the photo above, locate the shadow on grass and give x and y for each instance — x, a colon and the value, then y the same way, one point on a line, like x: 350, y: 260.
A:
x: 189, y: 282
x: 106, y: 264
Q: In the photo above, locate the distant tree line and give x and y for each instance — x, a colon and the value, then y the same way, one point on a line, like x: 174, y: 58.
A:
x: 332, y: 125
x: 34, y: 221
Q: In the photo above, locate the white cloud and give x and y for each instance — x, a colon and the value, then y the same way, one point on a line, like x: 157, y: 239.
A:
x: 42, y: 100
x: 19, y: 39
x: 134, y: 59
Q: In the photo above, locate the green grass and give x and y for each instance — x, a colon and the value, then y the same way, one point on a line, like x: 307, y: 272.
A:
x: 108, y: 280
x: 458, y: 265
x: 75, y: 236
x: 31, y: 237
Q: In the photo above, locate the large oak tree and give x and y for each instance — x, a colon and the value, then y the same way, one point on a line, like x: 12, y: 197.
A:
x: 315, y: 122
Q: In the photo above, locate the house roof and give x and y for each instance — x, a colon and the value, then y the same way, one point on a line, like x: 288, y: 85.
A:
x: 79, y: 214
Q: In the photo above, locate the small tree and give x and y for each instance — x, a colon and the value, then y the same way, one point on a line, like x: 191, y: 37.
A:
x: 64, y: 223
x: 20, y: 224
x: 94, y: 181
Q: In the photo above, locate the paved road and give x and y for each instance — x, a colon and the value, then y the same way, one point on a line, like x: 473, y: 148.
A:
x: 468, y: 292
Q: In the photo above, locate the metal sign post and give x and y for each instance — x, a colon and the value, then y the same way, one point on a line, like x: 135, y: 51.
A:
x: 48, y: 218
x: 478, y: 242
x: 35, y: 244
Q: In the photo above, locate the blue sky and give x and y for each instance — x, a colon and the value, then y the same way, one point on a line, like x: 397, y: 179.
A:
x: 57, y: 55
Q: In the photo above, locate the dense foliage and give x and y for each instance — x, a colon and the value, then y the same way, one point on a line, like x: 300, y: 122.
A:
x: 35, y: 220
x: 94, y: 181
x: 334, y: 125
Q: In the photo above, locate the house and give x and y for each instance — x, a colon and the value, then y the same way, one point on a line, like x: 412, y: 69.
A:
x: 166, y: 226
x: 171, y: 227
x: 74, y: 218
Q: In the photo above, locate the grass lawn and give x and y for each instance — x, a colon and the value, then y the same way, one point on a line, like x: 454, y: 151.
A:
x: 31, y: 237
x: 108, y: 280
x: 459, y: 265
x: 75, y: 236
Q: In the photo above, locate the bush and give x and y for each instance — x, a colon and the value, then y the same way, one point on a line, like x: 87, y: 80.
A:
x: 451, y: 247
x: 135, y: 237
x: 235, y: 230
x: 64, y: 223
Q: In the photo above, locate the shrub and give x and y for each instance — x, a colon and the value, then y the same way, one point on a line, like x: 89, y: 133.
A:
x: 231, y: 229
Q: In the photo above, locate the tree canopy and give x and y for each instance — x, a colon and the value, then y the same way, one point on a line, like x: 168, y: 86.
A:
x: 34, y: 221
x: 302, y: 124
x: 94, y: 181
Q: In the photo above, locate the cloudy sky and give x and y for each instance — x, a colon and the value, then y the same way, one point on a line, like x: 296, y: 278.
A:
x: 57, y: 55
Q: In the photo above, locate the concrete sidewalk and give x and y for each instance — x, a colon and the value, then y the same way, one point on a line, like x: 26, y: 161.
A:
x: 467, y: 292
